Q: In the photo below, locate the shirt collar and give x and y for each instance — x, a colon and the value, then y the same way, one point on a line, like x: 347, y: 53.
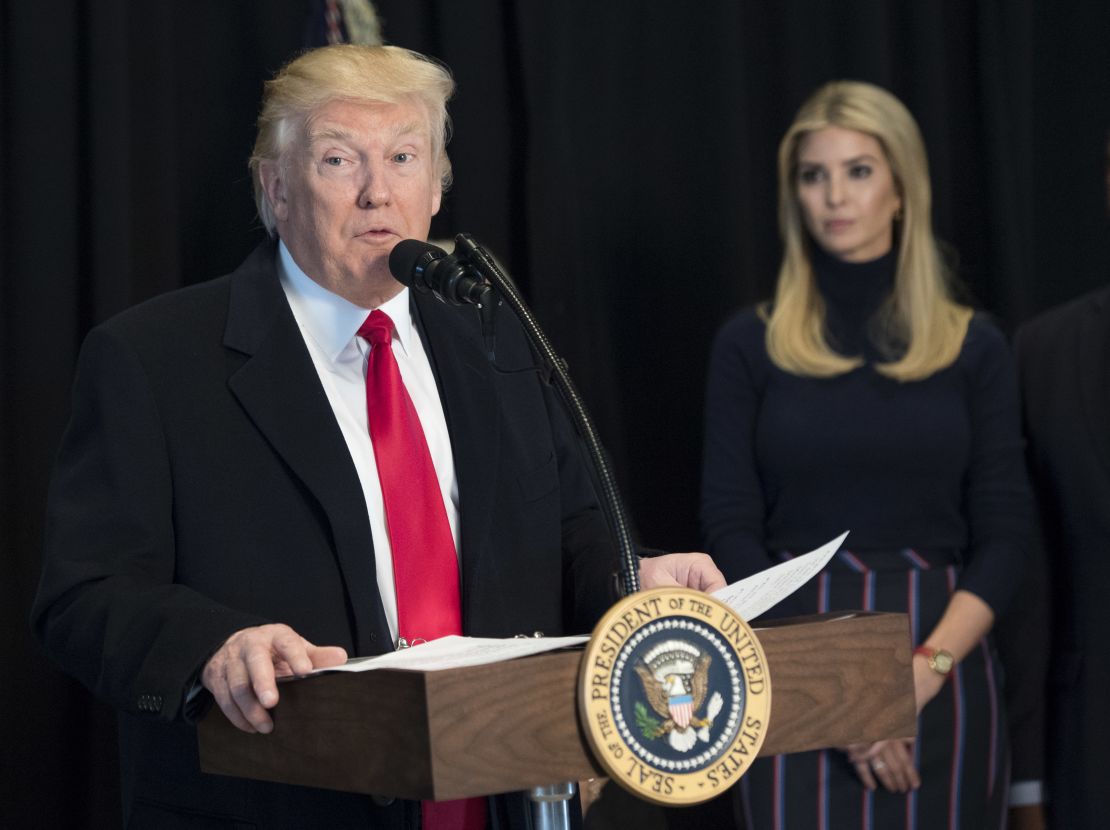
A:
x: 329, y: 319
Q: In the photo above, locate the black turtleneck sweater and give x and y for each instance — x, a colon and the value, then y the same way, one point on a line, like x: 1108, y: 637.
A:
x: 933, y: 465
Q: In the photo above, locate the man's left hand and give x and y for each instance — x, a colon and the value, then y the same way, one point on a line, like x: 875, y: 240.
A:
x: 684, y: 570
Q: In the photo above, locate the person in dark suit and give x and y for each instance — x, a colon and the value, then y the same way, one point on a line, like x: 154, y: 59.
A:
x: 1064, y: 367
x: 220, y: 513
x: 1022, y: 635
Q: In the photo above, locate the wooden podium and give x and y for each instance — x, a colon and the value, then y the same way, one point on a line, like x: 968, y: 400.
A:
x: 836, y: 679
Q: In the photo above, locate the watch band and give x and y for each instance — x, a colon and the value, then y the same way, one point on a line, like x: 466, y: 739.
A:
x: 940, y: 661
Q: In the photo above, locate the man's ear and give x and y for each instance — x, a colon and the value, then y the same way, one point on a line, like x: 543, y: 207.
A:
x: 272, y: 176
x: 437, y: 198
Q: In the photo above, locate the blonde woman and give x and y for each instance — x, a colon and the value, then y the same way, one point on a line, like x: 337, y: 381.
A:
x: 864, y: 397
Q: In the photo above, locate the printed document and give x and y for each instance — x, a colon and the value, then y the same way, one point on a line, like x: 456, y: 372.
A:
x: 749, y: 598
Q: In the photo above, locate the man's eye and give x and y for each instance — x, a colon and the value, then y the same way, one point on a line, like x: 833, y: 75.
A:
x: 403, y: 158
x: 333, y: 161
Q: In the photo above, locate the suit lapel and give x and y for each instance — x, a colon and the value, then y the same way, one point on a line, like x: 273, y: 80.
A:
x: 1094, y: 373
x: 281, y: 392
x: 464, y: 376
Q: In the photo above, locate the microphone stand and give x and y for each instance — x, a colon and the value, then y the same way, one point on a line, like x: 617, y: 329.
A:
x: 611, y: 503
x: 551, y: 804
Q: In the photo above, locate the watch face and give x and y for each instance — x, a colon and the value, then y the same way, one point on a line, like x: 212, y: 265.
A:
x: 942, y: 661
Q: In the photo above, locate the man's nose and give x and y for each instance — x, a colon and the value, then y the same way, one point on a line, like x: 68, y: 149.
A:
x: 375, y: 188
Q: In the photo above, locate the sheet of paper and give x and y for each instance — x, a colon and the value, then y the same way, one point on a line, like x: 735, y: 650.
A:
x: 454, y: 652
x: 752, y: 596
x: 749, y: 598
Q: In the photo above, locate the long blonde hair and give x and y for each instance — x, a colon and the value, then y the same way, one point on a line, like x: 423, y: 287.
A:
x: 920, y: 313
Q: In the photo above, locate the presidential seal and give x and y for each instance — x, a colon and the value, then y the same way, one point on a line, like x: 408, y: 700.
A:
x: 674, y: 694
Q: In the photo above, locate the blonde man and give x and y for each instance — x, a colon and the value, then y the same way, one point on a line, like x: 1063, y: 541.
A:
x: 227, y: 505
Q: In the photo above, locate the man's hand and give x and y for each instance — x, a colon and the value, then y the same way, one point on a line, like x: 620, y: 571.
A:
x: 242, y: 675
x: 686, y: 570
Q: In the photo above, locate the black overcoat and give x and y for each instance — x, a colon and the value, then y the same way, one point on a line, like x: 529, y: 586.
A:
x: 1064, y: 363
x: 204, y: 486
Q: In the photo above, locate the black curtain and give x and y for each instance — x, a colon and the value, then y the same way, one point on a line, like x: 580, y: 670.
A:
x: 618, y: 157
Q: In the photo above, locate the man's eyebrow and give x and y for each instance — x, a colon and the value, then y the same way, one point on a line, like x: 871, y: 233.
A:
x: 412, y: 128
x: 327, y: 133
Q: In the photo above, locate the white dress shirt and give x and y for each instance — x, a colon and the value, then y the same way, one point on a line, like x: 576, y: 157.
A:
x: 329, y: 325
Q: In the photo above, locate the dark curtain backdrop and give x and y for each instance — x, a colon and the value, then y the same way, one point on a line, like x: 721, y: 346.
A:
x: 617, y: 156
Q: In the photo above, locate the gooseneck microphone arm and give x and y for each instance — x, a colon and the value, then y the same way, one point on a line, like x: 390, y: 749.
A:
x: 471, y: 275
x: 612, y: 504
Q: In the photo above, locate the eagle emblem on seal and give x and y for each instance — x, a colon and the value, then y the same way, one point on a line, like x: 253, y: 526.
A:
x: 675, y: 677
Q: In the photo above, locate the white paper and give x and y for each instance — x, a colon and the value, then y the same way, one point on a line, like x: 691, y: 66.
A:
x: 752, y: 596
x: 454, y: 651
x: 749, y: 598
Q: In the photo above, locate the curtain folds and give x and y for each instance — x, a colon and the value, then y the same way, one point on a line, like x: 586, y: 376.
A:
x: 618, y: 157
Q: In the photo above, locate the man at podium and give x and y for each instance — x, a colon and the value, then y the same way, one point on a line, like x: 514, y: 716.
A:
x: 304, y: 460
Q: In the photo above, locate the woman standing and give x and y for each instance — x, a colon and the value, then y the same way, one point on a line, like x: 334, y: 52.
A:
x: 864, y: 397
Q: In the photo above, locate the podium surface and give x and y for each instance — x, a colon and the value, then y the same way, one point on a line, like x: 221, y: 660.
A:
x: 835, y: 679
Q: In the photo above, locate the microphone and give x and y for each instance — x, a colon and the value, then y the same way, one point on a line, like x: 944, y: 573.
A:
x: 471, y: 275
x: 426, y: 268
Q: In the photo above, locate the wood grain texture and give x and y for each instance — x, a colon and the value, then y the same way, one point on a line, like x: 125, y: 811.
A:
x: 514, y: 725
x: 837, y: 680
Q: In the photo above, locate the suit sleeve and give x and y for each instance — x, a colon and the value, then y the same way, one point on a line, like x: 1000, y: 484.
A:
x: 732, y: 500
x: 590, y: 558
x: 107, y: 608
x: 1022, y: 635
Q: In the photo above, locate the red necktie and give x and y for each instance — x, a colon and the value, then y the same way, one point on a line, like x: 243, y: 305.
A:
x: 425, y: 567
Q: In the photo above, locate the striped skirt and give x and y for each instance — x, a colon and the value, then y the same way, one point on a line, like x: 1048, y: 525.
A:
x: 962, y: 748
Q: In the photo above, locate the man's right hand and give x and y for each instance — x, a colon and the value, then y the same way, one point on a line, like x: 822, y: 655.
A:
x: 242, y: 675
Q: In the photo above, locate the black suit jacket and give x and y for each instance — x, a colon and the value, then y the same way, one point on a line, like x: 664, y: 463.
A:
x: 204, y: 486
x: 1064, y: 363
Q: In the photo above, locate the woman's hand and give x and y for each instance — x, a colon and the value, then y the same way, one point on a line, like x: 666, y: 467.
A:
x: 889, y: 763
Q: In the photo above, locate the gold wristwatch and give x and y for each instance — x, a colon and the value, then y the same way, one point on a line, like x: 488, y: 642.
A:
x: 940, y: 661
